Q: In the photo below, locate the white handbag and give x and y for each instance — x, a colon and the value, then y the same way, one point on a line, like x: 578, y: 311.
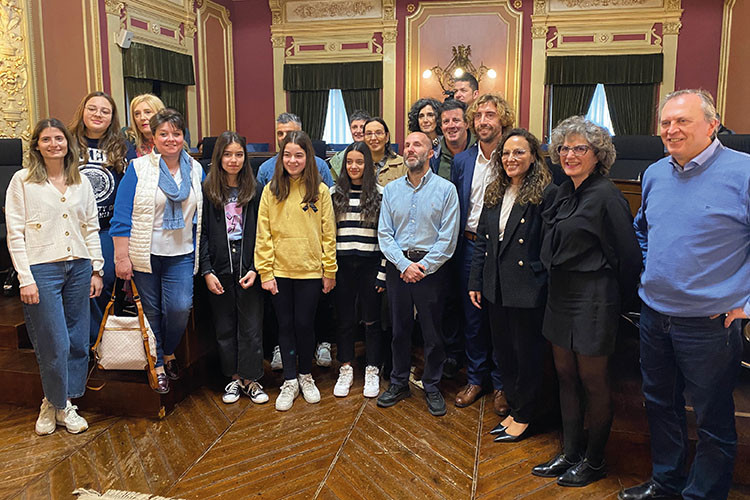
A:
x: 126, y: 342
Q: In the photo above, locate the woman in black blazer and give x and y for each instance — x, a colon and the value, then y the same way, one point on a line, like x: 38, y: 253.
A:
x: 508, y: 276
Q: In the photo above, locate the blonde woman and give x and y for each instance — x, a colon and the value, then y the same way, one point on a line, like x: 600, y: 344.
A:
x: 139, y: 134
x: 53, y: 239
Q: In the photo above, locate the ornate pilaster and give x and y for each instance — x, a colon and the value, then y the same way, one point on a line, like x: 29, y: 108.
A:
x: 16, y: 117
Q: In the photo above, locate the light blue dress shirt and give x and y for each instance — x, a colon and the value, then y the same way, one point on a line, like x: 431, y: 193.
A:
x: 265, y: 171
x: 423, y: 217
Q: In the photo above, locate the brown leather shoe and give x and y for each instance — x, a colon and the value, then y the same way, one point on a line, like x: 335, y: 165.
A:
x: 468, y: 395
x: 501, y: 404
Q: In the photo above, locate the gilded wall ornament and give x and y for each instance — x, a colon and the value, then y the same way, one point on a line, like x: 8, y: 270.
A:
x: 671, y: 28
x: 540, y: 7
x: 518, y: 4
x: 389, y: 36
x: 674, y: 4
x: 587, y: 4
x: 320, y: 10
x: 114, y: 7
x: 411, y: 8
x: 15, y: 117
x: 278, y: 41
x: 190, y: 30
x: 539, y: 31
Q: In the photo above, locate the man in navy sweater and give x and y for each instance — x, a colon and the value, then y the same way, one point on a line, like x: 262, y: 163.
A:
x: 694, y: 230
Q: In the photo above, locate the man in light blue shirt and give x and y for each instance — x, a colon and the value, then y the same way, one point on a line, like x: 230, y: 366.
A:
x: 417, y: 232
x: 288, y: 122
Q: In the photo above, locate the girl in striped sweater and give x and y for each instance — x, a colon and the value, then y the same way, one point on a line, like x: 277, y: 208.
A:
x: 356, y: 200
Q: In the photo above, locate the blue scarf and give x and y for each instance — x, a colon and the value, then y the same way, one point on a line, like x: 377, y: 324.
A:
x: 175, y: 195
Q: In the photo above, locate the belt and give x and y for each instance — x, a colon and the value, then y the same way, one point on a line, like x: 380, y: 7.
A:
x: 415, y: 255
x: 470, y: 236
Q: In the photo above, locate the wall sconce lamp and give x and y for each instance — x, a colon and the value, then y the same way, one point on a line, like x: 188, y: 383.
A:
x: 459, y: 64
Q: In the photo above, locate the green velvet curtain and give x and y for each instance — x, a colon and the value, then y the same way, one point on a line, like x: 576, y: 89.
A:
x: 344, y: 76
x: 310, y: 106
x: 629, y: 69
x: 173, y: 96
x: 629, y: 82
x: 570, y: 100
x: 137, y: 86
x: 152, y: 63
x: 360, y: 85
x: 632, y: 108
x: 365, y: 99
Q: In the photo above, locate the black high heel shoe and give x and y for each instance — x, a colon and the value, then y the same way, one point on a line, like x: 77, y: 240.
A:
x: 504, y: 437
x: 499, y: 428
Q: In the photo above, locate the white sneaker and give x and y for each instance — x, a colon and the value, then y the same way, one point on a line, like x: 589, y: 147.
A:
x: 323, y: 354
x: 344, y: 382
x: 309, y: 391
x: 276, y: 363
x: 256, y: 393
x: 71, y: 419
x: 289, y: 391
x: 372, y: 382
x: 232, y: 392
x: 45, y: 423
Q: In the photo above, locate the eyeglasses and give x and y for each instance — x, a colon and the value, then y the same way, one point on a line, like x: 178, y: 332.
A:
x: 516, y: 153
x: 378, y: 133
x: 579, y: 150
x: 102, y: 111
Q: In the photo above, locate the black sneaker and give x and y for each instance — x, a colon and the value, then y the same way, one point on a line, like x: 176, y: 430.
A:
x: 393, y: 395
x: 435, y: 403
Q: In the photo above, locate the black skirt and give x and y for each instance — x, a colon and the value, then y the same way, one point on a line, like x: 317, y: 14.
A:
x: 583, y: 310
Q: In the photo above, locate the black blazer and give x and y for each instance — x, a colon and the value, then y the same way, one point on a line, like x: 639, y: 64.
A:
x: 214, y: 253
x: 522, y: 277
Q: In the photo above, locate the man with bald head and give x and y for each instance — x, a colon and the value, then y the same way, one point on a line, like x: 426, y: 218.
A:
x: 417, y: 232
x: 694, y: 230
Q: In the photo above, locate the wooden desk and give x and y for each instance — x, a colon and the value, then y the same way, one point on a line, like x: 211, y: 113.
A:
x: 632, y: 192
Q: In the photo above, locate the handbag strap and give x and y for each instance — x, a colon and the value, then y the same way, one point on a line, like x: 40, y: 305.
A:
x: 107, y: 312
x: 152, y: 379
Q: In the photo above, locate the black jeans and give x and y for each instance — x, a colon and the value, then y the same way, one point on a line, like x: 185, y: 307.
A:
x: 295, y: 306
x: 518, y: 347
x: 356, y: 280
x: 428, y: 297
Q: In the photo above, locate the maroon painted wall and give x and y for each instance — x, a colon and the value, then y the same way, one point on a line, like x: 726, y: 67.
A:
x: 253, y: 68
x: 699, y: 45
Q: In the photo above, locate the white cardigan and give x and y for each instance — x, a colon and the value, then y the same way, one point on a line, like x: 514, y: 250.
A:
x: 47, y: 226
x: 147, y: 171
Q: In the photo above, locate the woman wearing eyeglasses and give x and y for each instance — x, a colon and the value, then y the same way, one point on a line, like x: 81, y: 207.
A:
x: 104, y: 155
x: 594, y: 261
x: 508, y: 277
x: 388, y: 165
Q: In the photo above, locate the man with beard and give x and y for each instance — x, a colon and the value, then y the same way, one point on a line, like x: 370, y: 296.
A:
x: 417, y: 233
x: 471, y: 173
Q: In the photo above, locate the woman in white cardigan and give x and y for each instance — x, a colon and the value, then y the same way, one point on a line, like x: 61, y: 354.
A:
x: 53, y: 239
x: 157, y: 214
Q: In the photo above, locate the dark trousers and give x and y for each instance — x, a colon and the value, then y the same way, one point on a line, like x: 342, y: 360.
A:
x: 519, y: 348
x: 701, y: 356
x: 453, y: 313
x: 238, y: 322
x: 427, y: 295
x: 480, y: 365
x: 356, y: 280
x: 295, y: 306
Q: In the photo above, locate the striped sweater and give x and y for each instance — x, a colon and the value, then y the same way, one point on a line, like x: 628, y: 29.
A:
x: 354, y: 237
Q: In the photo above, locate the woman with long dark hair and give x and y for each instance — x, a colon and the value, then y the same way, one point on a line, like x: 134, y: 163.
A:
x: 53, y: 226
x: 356, y: 205
x: 230, y: 216
x: 295, y: 250
x: 424, y: 116
x: 508, y: 277
x: 103, y: 158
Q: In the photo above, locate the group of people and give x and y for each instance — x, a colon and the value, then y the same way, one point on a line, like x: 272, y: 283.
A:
x: 467, y: 228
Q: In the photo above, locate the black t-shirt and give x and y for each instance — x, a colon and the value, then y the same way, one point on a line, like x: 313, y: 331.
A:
x: 103, y: 179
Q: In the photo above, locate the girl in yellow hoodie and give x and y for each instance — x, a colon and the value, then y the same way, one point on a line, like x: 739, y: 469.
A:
x: 295, y: 248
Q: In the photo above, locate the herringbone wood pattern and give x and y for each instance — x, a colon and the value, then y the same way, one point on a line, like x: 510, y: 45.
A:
x: 338, y: 449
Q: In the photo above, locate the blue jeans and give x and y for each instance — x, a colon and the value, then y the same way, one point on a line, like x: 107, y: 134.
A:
x: 701, y: 356
x: 99, y: 303
x: 167, y: 296
x: 58, y: 327
x: 480, y: 363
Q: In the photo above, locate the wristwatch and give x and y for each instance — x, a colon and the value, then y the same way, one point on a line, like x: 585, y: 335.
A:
x: 99, y: 273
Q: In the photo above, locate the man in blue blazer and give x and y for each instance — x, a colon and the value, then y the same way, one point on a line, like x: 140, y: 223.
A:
x: 472, y: 171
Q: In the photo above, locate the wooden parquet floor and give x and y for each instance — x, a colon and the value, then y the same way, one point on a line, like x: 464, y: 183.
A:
x: 341, y: 448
